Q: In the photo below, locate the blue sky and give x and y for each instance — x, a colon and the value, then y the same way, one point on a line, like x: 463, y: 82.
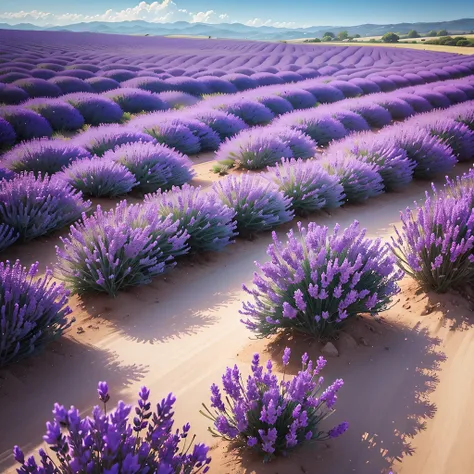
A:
x: 257, y: 12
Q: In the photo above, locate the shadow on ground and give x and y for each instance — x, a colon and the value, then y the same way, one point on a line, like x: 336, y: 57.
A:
x: 33, y: 386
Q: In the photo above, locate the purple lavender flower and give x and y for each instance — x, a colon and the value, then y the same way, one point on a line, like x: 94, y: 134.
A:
x: 112, y: 444
x: 99, y: 177
x: 8, y: 236
x: 99, y: 140
x: 307, y: 184
x: 435, y: 244
x: 35, y: 87
x: 339, y: 430
x: 278, y: 105
x: 258, y: 204
x: 136, y: 100
x: 251, y: 112
x: 272, y: 415
x: 33, y: 310
x: 299, y: 98
x: 42, y: 156
x: 7, y: 134
x: 95, y: 109
x: 359, y: 180
x: 25, y: 123
x: 432, y: 157
x: 254, y: 150
x: 153, y: 166
x: 224, y: 124
x: 345, y: 265
x: 124, y: 247
x: 210, y: 224
x: 36, y: 206
x: 69, y: 85
x: 301, y: 145
x: 177, y: 99
x: 391, y: 161
x: 60, y: 115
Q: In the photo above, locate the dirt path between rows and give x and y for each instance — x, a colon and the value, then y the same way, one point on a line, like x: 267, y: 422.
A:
x: 408, y: 380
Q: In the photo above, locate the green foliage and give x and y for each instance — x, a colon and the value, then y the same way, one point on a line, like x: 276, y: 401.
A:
x: 390, y: 38
x: 432, y: 33
x: 329, y: 35
x: 343, y: 35
x: 413, y: 34
x: 314, y: 40
x: 442, y: 33
x: 327, y: 39
x: 464, y: 42
x: 357, y: 35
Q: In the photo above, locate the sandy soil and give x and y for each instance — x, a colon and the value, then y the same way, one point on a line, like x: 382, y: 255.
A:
x: 407, y: 395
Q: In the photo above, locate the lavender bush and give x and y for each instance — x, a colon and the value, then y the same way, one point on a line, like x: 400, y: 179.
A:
x: 299, y: 98
x: 257, y: 203
x: 225, y: 125
x: 8, y: 236
x: 124, y: 247
x: 95, y: 109
x: 177, y: 99
x: 278, y: 105
x: 325, y: 93
x: 315, y: 282
x: 322, y: 129
x: 136, y: 100
x: 351, y: 121
x: 254, y: 149
x: 432, y: 157
x: 26, y: 123
x: 33, y: 311
x: 99, y: 177
x: 454, y: 134
x: 391, y: 161
x: 42, y: 156
x: 7, y: 134
x: 12, y: 95
x: 35, y: 87
x: 36, y: 206
x: 174, y: 135
x: 375, y: 115
x: 272, y: 416
x: 250, y: 111
x: 110, y: 443
x: 308, y: 186
x: 359, y: 180
x: 69, y: 85
x: 102, y: 84
x: 436, y: 242
x: 60, y: 115
x: 153, y: 166
x: 301, y: 145
x: 99, y: 140
x: 210, y: 225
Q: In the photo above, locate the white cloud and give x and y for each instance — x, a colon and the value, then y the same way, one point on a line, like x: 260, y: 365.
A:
x: 276, y: 24
x: 163, y: 11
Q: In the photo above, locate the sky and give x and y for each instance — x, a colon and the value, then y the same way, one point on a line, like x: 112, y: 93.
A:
x: 279, y: 13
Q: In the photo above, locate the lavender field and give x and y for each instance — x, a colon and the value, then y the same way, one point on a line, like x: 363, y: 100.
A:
x: 140, y: 178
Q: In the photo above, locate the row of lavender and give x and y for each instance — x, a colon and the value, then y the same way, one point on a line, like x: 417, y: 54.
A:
x: 52, y: 80
x: 127, y: 161
x: 253, y: 108
x: 257, y: 148
x: 268, y: 415
x: 127, y: 246
x: 40, y: 116
x: 363, y: 164
x: 178, y: 57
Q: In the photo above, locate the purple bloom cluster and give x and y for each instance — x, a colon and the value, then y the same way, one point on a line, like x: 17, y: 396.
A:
x: 308, y: 186
x: 7, y: 134
x: 436, y: 242
x: 391, y: 161
x: 112, y: 443
x: 255, y: 149
x: 36, y: 206
x: 210, y: 225
x: 99, y: 177
x: 33, y: 311
x: 8, y: 236
x: 136, y: 100
x: 316, y: 281
x: 99, y: 140
x: 360, y: 180
x: 124, y: 247
x: 25, y: 123
x: 153, y: 166
x: 42, y: 156
x: 60, y: 115
x: 257, y: 203
x: 273, y: 416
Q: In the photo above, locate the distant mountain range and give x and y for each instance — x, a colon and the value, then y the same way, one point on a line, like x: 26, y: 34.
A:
x: 240, y: 31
